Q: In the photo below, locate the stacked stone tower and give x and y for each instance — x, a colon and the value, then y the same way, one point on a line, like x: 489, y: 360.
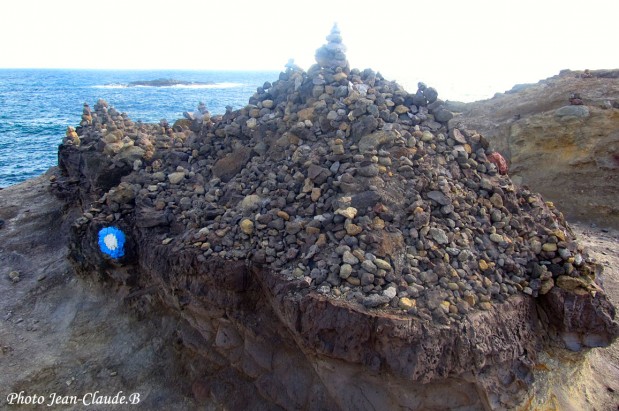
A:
x: 332, y: 55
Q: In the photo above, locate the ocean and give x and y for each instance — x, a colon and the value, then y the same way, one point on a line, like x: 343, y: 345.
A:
x: 37, y: 105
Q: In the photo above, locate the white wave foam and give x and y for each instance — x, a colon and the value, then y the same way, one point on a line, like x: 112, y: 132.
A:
x: 110, y: 86
x: 216, y: 85
x: 205, y: 86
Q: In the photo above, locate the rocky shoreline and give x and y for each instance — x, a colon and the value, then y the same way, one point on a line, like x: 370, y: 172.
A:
x: 383, y: 251
x: 570, y: 121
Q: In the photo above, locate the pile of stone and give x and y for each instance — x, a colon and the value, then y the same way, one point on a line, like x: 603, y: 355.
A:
x: 344, y: 180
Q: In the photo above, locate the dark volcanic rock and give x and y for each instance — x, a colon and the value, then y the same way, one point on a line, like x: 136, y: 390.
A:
x: 226, y: 168
x: 351, y: 238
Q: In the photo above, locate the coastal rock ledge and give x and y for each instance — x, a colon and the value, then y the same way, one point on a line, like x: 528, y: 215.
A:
x: 333, y: 245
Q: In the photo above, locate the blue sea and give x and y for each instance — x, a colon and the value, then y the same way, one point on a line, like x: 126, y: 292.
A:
x: 37, y: 105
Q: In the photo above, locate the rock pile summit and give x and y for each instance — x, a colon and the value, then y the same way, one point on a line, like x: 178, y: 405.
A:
x: 348, y: 201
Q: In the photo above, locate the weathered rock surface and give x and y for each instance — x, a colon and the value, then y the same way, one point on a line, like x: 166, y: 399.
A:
x: 569, y: 153
x: 73, y: 335
x: 338, y: 247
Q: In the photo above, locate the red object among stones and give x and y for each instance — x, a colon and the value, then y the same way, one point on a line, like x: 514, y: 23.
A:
x: 499, y: 161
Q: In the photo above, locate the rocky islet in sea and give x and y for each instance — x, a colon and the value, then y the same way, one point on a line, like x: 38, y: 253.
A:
x: 339, y: 181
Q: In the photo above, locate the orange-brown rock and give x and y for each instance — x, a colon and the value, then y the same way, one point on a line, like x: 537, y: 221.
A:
x: 569, y: 153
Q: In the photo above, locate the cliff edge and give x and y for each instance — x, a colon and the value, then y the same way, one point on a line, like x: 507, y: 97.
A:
x: 561, y: 138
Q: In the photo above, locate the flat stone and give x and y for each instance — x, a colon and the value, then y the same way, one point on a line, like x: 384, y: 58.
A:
x: 496, y: 238
x: 250, y: 202
x: 348, y: 212
x: 427, y: 136
x: 369, y: 266
x: 353, y: 281
x: 315, y: 195
x: 496, y: 200
x: 390, y: 292
x: 247, y: 226
x: 227, y: 167
x: 374, y: 140
x: 458, y: 136
x: 176, y: 177
x: 365, y: 199
x: 317, y: 174
x: 382, y: 264
x: 443, y: 115
x: 401, y: 109
x: 370, y: 170
x: 375, y: 300
x: 352, y: 229
x: 571, y: 283
x: 428, y: 277
x: 367, y: 278
x: 337, y: 149
x: 345, y: 271
x: 572, y: 111
x: 485, y: 305
x: 349, y: 258
x: 439, y: 235
x: 439, y: 197
x: 406, y: 303
x: 549, y: 247
x: 283, y: 215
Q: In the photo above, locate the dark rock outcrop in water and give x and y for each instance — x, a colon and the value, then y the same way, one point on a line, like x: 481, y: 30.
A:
x: 335, y: 245
x: 167, y: 82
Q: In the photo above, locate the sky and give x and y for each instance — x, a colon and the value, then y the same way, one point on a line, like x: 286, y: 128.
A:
x: 464, y: 47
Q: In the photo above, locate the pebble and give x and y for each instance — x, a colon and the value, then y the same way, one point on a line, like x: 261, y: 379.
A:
x: 247, y: 226
x: 345, y: 271
x: 352, y: 229
x: 375, y: 300
x: 485, y: 305
x: 406, y: 303
x: 14, y: 276
x: 439, y: 235
x: 496, y: 238
x: 390, y: 292
x: 348, y: 212
x: 176, y: 178
x: 349, y: 258
x: 369, y: 266
x: 382, y: 264
x: 549, y: 247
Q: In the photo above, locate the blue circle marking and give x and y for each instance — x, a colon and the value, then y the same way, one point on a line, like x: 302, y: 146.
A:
x: 112, y: 242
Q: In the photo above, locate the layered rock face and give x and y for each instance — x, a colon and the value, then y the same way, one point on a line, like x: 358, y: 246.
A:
x: 335, y: 245
x: 561, y: 137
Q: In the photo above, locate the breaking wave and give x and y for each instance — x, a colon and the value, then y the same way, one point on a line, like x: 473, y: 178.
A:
x: 188, y: 86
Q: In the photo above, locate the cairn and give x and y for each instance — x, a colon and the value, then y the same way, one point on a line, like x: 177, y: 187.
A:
x: 344, y: 180
x: 333, y: 54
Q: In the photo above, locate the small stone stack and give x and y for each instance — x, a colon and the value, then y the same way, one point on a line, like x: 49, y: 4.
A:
x: 346, y: 182
x: 333, y: 54
x: 71, y: 137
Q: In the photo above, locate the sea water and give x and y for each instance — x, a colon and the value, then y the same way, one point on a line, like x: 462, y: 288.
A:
x: 37, y: 105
